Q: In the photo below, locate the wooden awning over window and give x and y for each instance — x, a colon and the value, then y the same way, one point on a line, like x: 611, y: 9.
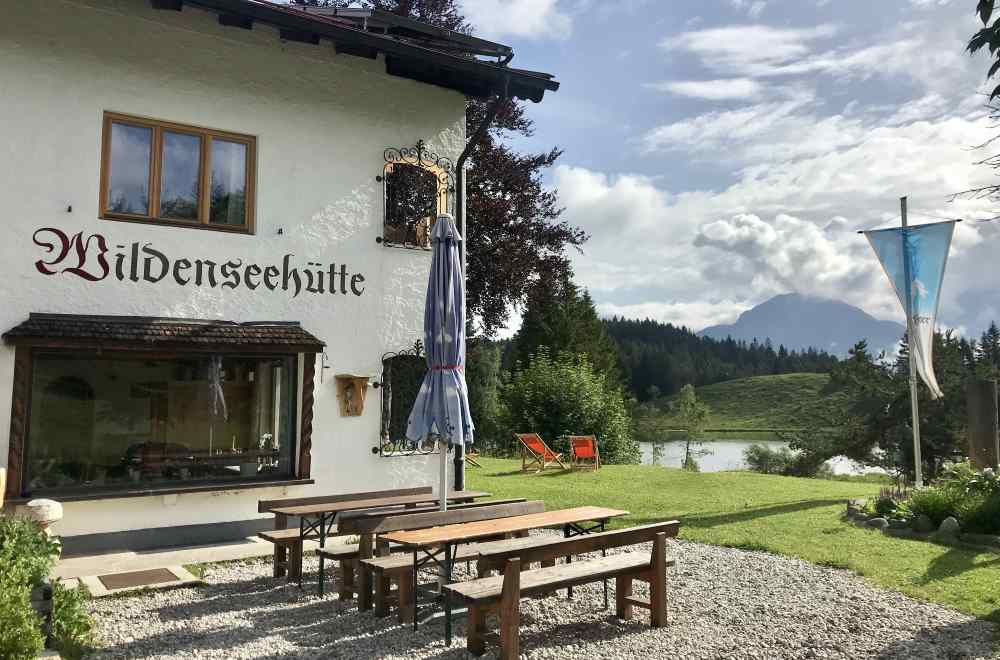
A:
x: 143, y: 333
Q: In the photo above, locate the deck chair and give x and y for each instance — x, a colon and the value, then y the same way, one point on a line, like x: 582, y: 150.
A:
x: 584, y: 452
x: 470, y: 458
x: 540, y: 454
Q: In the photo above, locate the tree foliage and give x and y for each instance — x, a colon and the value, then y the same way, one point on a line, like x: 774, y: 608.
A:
x: 563, y: 318
x: 515, y: 237
x: 563, y: 395
x: 657, y: 359
x: 872, y: 423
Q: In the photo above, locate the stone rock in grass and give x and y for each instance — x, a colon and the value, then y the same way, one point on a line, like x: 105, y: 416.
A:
x: 949, y: 528
x: 878, y: 523
x: 923, y: 524
x: 897, y: 523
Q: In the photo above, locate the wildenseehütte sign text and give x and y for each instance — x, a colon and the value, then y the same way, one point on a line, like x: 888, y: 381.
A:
x: 90, y: 258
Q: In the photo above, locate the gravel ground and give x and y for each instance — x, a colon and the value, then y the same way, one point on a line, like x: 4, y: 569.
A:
x: 723, y: 603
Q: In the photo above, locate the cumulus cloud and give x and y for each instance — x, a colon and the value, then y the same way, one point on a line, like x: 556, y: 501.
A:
x: 711, y: 90
x: 783, y: 225
x: 518, y: 18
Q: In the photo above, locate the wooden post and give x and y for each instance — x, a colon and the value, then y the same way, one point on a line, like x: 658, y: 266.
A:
x: 346, y: 579
x: 658, y: 582
x: 623, y: 590
x: 295, y: 560
x: 406, y: 600
x: 280, y: 522
x: 364, y: 575
x: 510, y: 611
x: 476, y: 630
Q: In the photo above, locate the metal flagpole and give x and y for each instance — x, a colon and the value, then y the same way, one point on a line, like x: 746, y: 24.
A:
x: 914, y: 405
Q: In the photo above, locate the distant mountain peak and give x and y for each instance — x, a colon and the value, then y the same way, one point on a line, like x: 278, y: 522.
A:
x: 799, y: 321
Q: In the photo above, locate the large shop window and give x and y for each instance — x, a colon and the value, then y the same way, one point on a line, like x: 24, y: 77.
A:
x: 165, y: 173
x: 101, y: 421
x: 112, y: 406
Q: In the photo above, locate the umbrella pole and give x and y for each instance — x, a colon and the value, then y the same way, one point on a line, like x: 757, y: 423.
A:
x: 443, y: 485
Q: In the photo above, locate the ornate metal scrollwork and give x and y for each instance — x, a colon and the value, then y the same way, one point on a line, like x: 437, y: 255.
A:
x: 402, y: 375
x: 417, y: 185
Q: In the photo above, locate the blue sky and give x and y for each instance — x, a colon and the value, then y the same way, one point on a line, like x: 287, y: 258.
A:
x: 720, y: 152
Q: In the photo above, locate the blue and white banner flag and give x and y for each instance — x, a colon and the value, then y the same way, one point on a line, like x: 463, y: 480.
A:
x: 914, y: 259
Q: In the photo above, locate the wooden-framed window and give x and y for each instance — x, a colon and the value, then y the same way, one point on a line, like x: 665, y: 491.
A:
x: 166, y: 173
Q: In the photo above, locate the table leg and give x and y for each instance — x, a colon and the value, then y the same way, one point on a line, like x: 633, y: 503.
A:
x: 447, y: 597
x: 364, y: 576
x: 322, y: 544
x: 297, y: 559
x: 416, y: 597
x: 280, y: 555
x: 568, y: 532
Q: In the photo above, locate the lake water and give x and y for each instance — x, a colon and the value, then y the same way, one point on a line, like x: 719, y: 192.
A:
x: 726, y: 454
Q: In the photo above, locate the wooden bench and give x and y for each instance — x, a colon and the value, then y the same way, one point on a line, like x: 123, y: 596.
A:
x: 358, y: 522
x: 501, y: 594
x: 286, y: 540
x: 382, y: 570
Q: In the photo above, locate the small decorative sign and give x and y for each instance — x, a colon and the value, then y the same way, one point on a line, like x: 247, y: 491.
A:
x: 351, y: 391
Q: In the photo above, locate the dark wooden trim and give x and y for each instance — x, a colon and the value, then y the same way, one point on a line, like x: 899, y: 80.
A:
x: 165, y: 490
x: 19, y: 416
x: 306, y: 428
x: 171, y: 5
x: 161, y: 350
x: 235, y: 20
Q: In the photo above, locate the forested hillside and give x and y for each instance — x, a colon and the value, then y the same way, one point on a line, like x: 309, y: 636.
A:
x: 659, y: 358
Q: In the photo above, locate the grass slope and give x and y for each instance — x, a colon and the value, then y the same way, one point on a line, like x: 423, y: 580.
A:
x: 786, y: 515
x: 762, y: 402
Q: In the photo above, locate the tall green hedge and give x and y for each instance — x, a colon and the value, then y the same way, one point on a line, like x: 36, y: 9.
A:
x: 563, y: 395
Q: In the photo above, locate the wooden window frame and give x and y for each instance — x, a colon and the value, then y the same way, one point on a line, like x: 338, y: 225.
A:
x: 155, y: 170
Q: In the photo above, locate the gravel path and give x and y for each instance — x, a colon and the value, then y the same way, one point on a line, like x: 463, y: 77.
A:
x: 723, y: 603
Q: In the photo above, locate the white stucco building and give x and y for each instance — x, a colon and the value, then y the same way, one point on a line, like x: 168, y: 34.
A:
x: 195, y: 199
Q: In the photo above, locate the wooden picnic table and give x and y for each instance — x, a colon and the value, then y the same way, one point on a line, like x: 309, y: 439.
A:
x: 318, y: 518
x: 435, y: 541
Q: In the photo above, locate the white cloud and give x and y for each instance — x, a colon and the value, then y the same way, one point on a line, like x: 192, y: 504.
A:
x: 696, y: 315
x: 753, y: 8
x: 711, y: 90
x: 750, y: 50
x: 518, y: 18
x: 786, y: 224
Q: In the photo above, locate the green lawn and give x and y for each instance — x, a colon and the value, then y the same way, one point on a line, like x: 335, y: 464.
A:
x: 786, y: 515
x: 763, y: 402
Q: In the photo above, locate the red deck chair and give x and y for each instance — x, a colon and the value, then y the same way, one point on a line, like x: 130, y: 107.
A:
x: 541, y: 455
x: 583, y: 452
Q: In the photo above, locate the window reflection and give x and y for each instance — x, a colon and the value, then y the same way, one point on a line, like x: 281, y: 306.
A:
x: 118, y: 422
x: 411, y: 203
x: 179, y: 180
x: 128, y: 179
x: 229, y: 180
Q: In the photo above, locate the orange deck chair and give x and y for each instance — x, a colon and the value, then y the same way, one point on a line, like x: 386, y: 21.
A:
x: 583, y: 452
x: 541, y: 455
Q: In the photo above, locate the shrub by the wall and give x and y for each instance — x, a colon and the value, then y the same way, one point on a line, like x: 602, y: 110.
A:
x: 27, y: 555
x: 563, y: 395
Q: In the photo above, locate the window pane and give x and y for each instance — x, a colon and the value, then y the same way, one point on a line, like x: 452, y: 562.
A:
x: 229, y: 183
x: 118, y: 422
x: 128, y: 178
x: 410, y: 204
x: 179, y: 180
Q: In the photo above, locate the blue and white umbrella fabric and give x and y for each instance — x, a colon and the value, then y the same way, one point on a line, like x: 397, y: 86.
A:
x: 442, y: 406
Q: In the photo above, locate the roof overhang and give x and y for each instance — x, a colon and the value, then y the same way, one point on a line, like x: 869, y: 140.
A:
x: 134, y: 333
x: 441, y: 65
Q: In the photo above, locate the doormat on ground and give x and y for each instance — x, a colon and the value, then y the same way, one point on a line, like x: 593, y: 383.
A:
x: 135, y: 579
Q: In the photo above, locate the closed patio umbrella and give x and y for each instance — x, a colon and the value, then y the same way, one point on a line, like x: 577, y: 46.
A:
x: 442, y: 405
